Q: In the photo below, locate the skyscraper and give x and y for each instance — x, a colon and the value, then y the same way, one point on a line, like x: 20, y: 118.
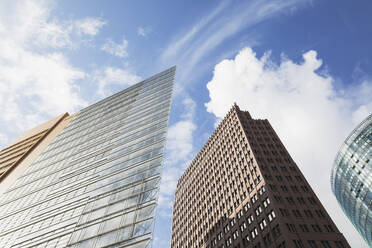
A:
x: 351, y: 178
x: 95, y: 182
x: 244, y: 190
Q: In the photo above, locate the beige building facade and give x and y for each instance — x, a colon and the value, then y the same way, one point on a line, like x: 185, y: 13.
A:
x: 15, y: 158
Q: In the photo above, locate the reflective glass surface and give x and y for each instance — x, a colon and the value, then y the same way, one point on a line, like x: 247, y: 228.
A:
x: 351, y: 178
x: 97, y: 183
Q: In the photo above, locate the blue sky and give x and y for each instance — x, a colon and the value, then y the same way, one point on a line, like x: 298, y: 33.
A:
x: 304, y: 65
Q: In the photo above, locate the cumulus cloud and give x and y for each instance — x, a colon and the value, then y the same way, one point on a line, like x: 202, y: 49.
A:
x: 37, y: 81
x: 311, y: 117
x: 119, y: 50
x: 110, y: 76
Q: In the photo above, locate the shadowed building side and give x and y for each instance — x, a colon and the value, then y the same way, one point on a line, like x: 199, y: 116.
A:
x: 244, y: 190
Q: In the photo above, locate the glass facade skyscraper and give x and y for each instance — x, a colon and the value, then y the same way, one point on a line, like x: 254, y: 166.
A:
x: 96, y: 184
x: 351, y: 178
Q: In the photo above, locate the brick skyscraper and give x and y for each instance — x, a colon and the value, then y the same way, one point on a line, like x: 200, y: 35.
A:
x: 244, y: 190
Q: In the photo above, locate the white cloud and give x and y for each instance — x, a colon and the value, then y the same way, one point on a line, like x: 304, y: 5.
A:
x: 179, y: 142
x: 30, y: 24
x: 310, y: 116
x: 90, y: 26
x: 178, y: 154
x: 114, y: 76
x: 119, y: 50
x: 141, y: 31
x: 37, y: 82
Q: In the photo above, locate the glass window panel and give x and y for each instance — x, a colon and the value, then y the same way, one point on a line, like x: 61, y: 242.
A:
x: 107, y: 239
x: 143, y: 227
x: 90, y: 231
x: 125, y: 233
x: 146, y: 212
x: 128, y: 218
x: 111, y: 224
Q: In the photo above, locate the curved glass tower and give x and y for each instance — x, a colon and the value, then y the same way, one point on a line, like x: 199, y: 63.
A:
x: 351, y: 178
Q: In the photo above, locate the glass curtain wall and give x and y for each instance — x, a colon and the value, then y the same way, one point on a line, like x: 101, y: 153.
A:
x: 97, y: 183
x: 351, y: 178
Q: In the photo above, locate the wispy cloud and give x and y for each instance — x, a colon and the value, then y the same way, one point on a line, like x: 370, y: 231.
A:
x: 90, y: 26
x: 190, y: 47
x: 143, y: 31
x: 116, y: 49
x: 182, y: 40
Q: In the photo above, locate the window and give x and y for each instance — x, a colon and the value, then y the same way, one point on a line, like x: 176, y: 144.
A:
x: 284, y: 188
x: 261, y: 190
x: 214, y: 242
x: 266, y: 202
x: 319, y: 213
x: 250, y: 219
x: 271, y: 215
x: 240, y: 214
x: 219, y: 236
x: 263, y: 224
x: 290, y: 200
x: 291, y: 227
x: 304, y: 228
x: 276, y: 231
x: 316, y: 228
x: 258, y: 210
x: 247, y: 207
x: 325, y: 244
x: 273, y: 187
x: 308, y: 214
x: 296, y: 213
x: 312, y: 244
x: 329, y: 228
x: 297, y: 243
x: 267, y: 239
x: 232, y: 222
x: 243, y: 226
x: 235, y: 234
x: 282, y: 245
x: 284, y: 212
x: 278, y: 199
x: 254, y: 233
x: 258, y: 245
x: 254, y: 198
x: 228, y: 241
x: 301, y: 200
x: 312, y: 200
x: 226, y: 228
x: 246, y: 240
x: 339, y: 244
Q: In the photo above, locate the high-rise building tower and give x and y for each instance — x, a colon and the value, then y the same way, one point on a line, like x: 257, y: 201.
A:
x: 244, y: 190
x: 351, y: 178
x: 90, y: 179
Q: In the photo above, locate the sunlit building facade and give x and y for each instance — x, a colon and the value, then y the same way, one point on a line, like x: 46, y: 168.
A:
x: 351, y: 178
x: 94, y: 181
